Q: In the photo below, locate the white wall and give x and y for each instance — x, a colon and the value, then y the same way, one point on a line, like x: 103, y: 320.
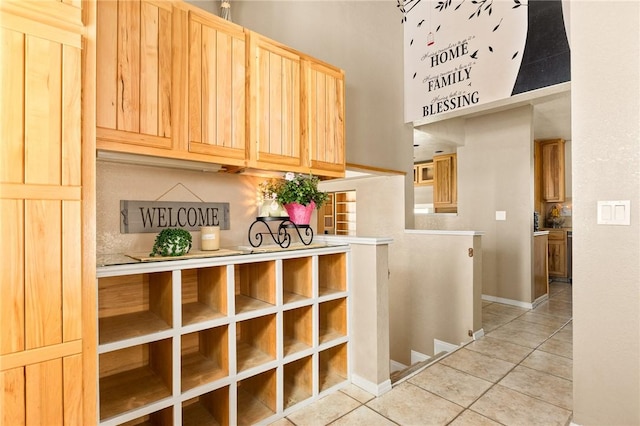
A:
x: 495, y: 173
x: 424, y: 271
x: 606, y: 166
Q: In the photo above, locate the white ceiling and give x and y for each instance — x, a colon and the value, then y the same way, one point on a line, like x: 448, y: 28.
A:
x: 551, y: 119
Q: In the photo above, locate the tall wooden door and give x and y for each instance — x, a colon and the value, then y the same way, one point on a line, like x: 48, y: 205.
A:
x: 42, y: 216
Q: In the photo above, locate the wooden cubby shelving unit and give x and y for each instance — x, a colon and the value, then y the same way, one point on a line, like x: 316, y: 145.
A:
x: 241, y: 339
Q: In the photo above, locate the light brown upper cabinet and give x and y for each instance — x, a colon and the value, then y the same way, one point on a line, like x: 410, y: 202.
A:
x: 217, y: 94
x: 553, y: 178
x: 445, y: 187
x: 323, y: 111
x: 134, y: 73
x: 274, y: 105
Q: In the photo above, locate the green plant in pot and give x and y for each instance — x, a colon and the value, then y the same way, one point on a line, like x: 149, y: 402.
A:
x: 299, y: 194
x: 172, y: 242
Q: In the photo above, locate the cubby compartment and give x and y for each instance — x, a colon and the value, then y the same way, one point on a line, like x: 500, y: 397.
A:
x: 298, y: 381
x: 204, y: 294
x: 134, y: 305
x: 333, y: 320
x: 255, y: 286
x: 255, y: 341
x: 296, y: 279
x: 297, y: 330
x: 332, y: 366
x: 257, y: 398
x: 205, y: 357
x: 332, y: 273
x: 135, y: 376
x: 209, y: 409
x: 157, y: 418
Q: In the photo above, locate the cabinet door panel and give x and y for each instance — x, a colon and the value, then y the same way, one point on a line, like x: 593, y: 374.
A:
x: 216, y: 88
x: 324, y: 112
x: 134, y: 64
x: 275, y: 105
x: 445, y: 188
x: 553, y: 178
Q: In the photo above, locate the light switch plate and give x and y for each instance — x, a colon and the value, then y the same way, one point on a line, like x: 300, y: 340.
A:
x: 614, y: 212
x: 501, y: 215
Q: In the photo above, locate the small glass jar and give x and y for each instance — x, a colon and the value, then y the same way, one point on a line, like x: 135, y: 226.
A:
x: 209, y: 238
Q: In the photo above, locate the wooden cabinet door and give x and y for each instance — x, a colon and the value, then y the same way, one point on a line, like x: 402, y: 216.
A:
x: 45, y: 176
x: 445, y: 191
x: 274, y: 107
x: 558, y: 254
x: 323, y: 118
x: 553, y: 173
x: 217, y: 94
x: 134, y: 73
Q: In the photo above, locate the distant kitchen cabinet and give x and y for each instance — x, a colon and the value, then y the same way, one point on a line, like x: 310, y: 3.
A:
x: 558, y: 253
x: 553, y: 172
x: 338, y: 215
x: 540, y: 265
x: 423, y: 173
x: 445, y: 187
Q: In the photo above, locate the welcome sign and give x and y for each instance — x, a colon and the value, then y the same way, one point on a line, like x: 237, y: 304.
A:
x: 154, y: 216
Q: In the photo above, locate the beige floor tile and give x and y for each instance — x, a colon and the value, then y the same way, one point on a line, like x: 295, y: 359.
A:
x: 565, y: 335
x: 501, y: 309
x: 569, y: 326
x: 408, y: 404
x: 282, y: 422
x: 492, y: 321
x: 518, y: 337
x: 552, y: 389
x: 531, y: 327
x: 471, y: 418
x: 558, y: 309
x: 500, y: 349
x: 544, y: 319
x: 358, y: 394
x: 477, y: 364
x: 558, y: 347
x: 451, y: 384
x: 325, y: 410
x: 363, y: 416
x: 514, y: 408
x: 550, y: 363
x: 486, y: 303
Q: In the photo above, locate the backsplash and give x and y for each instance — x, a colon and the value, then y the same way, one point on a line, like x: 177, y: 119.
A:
x: 117, y: 182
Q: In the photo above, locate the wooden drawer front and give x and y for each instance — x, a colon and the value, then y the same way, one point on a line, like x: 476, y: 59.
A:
x: 557, y: 235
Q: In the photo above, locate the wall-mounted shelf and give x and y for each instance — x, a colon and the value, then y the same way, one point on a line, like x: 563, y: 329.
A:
x: 235, y: 340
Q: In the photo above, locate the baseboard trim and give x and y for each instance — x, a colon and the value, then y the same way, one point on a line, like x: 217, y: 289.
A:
x: 507, y: 301
x: 396, y: 366
x: 372, y: 388
x: 540, y: 300
x: 442, y: 346
x: 418, y: 357
x: 478, y: 334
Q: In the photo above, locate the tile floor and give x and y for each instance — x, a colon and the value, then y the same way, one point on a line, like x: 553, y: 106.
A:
x: 520, y: 373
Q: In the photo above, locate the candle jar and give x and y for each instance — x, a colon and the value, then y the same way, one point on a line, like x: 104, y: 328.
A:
x: 209, y: 238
